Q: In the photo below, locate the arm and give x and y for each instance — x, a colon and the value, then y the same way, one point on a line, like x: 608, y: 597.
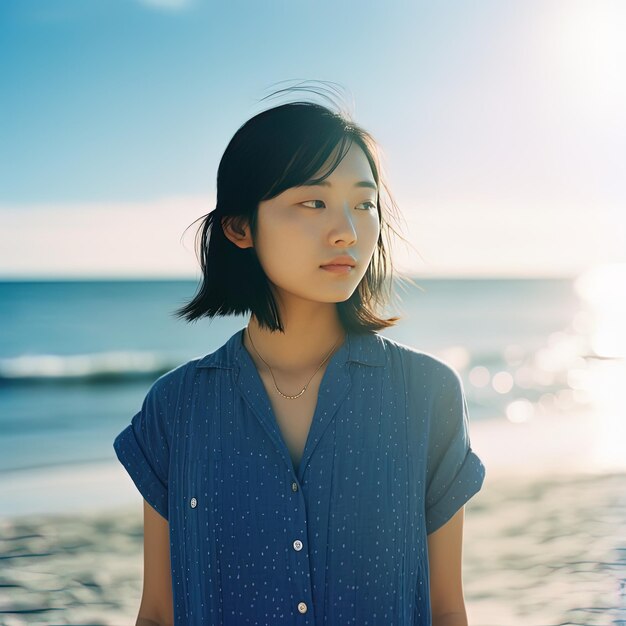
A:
x: 156, y: 608
x: 445, y: 564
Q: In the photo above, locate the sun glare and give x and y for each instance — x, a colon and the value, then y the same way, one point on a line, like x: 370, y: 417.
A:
x: 603, y: 288
x: 590, y: 50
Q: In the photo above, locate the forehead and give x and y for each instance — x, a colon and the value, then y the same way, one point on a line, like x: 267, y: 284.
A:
x: 353, y: 168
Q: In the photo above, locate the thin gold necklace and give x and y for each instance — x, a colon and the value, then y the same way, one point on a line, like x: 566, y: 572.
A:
x: 272, y: 373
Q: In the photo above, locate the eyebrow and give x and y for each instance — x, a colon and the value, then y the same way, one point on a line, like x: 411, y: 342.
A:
x: 361, y: 183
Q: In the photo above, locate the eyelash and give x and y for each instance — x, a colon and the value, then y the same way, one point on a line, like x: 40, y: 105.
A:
x: 366, y: 202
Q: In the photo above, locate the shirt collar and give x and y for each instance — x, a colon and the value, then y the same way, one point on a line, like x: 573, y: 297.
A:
x: 367, y: 349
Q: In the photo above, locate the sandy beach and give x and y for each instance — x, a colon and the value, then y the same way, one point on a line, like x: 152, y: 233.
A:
x: 541, y: 548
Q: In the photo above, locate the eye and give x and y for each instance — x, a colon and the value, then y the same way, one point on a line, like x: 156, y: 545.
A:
x: 311, y: 201
x: 366, y: 202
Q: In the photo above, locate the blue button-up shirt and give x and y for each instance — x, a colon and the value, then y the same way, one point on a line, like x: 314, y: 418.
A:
x: 342, y: 540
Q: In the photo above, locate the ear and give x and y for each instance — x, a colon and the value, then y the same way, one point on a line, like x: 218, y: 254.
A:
x: 237, y: 229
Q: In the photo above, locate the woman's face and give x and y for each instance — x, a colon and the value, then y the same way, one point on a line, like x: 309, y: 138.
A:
x: 305, y: 227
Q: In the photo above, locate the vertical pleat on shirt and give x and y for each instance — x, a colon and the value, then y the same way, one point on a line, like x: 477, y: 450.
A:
x: 368, y: 523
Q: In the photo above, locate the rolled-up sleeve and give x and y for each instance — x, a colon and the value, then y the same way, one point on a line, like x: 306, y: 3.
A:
x: 455, y: 473
x: 143, y: 449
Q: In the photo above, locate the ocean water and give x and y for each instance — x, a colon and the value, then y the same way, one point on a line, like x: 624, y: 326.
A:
x: 76, y: 358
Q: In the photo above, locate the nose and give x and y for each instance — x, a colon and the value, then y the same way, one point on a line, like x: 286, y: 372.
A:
x: 344, y: 227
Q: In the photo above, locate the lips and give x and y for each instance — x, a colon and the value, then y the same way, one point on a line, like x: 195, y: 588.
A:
x: 338, y: 269
x: 340, y: 260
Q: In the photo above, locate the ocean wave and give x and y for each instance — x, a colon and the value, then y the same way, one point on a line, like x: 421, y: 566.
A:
x: 85, y: 368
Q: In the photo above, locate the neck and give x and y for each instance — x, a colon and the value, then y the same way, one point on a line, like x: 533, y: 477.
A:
x: 301, y: 348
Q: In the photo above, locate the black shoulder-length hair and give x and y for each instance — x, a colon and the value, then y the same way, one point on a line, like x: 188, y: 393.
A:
x: 275, y: 150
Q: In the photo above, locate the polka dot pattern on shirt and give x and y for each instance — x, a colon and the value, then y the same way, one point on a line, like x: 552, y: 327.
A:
x: 342, y: 540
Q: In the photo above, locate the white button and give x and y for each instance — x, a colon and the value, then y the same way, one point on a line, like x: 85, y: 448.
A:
x: 294, y: 486
x: 302, y: 607
x: 297, y: 544
x: 193, y: 503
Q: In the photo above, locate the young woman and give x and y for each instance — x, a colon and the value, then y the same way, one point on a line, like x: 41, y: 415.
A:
x: 309, y: 471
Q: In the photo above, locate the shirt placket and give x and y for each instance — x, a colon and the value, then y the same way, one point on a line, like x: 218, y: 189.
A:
x: 333, y: 389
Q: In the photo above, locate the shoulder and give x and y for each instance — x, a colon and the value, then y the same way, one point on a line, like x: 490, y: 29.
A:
x: 419, y: 364
x: 168, y: 384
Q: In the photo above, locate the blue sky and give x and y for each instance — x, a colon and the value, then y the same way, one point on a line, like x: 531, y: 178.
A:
x: 501, y: 124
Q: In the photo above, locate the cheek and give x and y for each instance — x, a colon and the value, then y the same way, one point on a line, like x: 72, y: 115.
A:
x: 285, y: 246
x: 371, y: 230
